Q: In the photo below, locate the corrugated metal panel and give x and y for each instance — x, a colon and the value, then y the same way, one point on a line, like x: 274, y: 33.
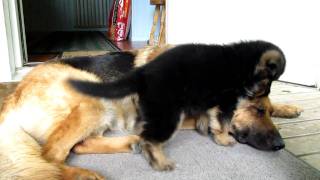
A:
x: 92, y: 13
x: 66, y: 15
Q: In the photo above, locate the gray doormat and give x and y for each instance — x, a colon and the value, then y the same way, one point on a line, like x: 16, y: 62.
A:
x: 59, y: 42
x: 197, y: 157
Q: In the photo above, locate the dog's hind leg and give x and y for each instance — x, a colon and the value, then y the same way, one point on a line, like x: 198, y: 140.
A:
x: 79, y: 124
x: 107, y: 145
x: 81, y: 121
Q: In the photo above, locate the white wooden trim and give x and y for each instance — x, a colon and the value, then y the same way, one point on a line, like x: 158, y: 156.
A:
x: 10, y: 41
x: 21, y: 72
x: 6, y: 66
x: 15, y: 34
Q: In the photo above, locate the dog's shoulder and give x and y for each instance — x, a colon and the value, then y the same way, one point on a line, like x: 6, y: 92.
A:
x: 108, y: 67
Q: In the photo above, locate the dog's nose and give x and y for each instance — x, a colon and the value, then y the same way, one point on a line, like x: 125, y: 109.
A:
x: 278, y: 144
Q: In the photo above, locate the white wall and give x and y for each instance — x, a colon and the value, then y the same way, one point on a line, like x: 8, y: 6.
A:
x: 292, y: 25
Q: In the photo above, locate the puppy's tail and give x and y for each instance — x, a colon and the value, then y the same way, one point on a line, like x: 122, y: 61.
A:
x: 20, y: 157
x: 128, y: 84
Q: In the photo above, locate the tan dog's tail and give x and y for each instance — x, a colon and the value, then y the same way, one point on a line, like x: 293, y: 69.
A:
x: 20, y: 156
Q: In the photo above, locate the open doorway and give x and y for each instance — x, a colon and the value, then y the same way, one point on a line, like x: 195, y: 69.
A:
x: 53, y: 28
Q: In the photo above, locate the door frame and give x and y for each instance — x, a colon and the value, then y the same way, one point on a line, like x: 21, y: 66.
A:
x: 14, y: 40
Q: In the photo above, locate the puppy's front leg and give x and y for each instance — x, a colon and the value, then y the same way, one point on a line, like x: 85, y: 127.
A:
x: 156, y: 157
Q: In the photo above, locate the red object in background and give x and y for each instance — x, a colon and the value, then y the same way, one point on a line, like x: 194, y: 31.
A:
x: 120, y: 20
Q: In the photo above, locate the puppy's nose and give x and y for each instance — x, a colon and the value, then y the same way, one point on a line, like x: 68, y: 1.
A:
x: 278, y: 144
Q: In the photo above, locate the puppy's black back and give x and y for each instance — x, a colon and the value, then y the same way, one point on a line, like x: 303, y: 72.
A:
x: 197, y: 75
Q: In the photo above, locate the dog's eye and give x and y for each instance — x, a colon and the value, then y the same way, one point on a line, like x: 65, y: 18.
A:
x: 261, y: 110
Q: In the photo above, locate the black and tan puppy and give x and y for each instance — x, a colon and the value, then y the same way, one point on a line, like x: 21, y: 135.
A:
x: 190, y: 79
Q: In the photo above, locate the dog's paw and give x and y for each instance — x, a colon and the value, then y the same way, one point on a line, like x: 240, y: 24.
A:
x: 73, y: 173
x: 286, y: 111
x: 294, y: 111
x: 90, y: 176
x: 224, y: 139
x: 163, y: 165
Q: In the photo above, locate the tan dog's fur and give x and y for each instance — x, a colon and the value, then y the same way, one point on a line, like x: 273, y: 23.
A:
x: 43, y: 119
x: 45, y: 110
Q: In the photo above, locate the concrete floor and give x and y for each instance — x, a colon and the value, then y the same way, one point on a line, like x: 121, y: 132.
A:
x: 302, y: 134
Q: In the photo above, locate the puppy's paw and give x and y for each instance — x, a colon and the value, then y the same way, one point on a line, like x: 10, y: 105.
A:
x: 224, y: 139
x: 163, y: 165
x: 286, y: 111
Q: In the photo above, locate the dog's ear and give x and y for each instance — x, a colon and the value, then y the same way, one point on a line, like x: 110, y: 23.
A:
x: 273, y: 63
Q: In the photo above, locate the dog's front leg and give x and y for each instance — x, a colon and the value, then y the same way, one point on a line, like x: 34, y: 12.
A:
x: 75, y: 173
x: 285, y: 111
x: 107, y: 145
x: 219, y: 130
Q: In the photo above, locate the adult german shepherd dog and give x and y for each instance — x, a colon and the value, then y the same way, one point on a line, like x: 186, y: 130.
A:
x: 190, y: 79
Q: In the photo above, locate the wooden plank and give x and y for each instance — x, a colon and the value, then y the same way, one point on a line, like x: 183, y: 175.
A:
x: 313, y: 160
x: 285, y: 87
x: 283, y: 92
x: 287, y: 84
x: 296, y: 97
x: 279, y: 121
x: 298, y: 129
x: 162, y: 35
x: 303, y: 145
x: 157, y: 2
x: 278, y: 90
x: 154, y: 25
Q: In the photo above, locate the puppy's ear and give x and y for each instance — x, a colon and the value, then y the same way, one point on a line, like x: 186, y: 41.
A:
x: 273, y: 62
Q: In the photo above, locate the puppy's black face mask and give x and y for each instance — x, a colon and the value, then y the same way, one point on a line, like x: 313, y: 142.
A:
x: 270, y: 67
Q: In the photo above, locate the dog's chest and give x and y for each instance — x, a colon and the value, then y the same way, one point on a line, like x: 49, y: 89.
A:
x: 118, y: 115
